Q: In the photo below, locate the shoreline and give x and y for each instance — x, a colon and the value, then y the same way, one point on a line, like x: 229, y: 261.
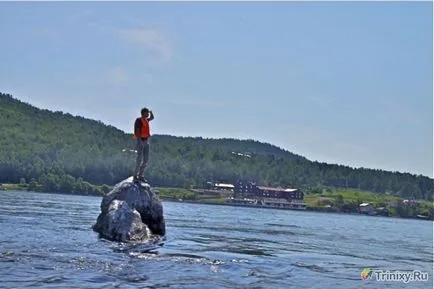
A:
x: 294, y: 210
x: 230, y: 205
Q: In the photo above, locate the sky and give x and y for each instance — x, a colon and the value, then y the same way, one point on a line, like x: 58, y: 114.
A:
x: 348, y: 83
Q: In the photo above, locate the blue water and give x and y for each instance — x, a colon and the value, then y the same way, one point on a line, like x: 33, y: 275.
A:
x: 46, y: 241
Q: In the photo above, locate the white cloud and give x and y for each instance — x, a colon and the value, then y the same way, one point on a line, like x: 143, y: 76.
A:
x: 81, y: 16
x: 146, y: 78
x: 121, y: 77
x: 118, y: 76
x: 321, y: 101
x: 154, y: 40
x: 47, y: 33
x: 195, y: 102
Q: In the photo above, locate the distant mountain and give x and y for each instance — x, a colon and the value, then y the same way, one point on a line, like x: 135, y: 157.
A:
x: 40, y: 144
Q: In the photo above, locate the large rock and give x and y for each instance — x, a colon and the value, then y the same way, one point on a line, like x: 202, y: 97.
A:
x: 131, y: 212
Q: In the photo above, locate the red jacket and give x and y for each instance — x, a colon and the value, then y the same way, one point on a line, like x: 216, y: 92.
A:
x: 141, y: 127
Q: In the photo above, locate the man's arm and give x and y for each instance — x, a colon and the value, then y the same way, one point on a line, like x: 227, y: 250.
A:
x: 137, y: 127
x: 151, y: 116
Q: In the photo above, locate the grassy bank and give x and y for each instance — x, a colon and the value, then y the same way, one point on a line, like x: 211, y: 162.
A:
x: 348, y: 201
x: 327, y: 200
x: 83, y: 188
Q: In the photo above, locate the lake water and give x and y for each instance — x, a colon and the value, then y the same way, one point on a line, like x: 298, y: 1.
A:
x: 46, y: 241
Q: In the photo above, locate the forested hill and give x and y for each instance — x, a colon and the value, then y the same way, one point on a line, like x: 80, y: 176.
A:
x: 56, y: 147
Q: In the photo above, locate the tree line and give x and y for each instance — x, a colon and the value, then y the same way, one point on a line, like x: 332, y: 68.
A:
x: 55, y: 148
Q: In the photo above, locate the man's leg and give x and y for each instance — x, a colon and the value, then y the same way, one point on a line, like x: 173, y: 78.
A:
x: 139, y: 158
x: 145, y: 154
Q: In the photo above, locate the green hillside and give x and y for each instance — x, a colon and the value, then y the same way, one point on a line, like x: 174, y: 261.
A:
x: 56, y: 149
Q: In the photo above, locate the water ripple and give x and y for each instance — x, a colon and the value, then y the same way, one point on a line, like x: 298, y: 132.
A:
x: 47, y: 242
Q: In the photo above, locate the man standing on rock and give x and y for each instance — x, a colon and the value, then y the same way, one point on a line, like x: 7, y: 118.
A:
x: 142, y: 134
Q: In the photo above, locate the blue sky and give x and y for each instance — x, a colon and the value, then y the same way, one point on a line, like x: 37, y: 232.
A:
x: 346, y: 83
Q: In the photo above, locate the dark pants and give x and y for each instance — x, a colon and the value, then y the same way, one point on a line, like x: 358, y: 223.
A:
x: 142, y: 147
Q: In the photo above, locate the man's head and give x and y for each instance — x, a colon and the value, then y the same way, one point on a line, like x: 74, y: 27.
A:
x: 145, y: 112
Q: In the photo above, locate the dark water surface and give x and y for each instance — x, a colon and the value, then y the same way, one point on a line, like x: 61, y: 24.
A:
x: 46, y: 241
